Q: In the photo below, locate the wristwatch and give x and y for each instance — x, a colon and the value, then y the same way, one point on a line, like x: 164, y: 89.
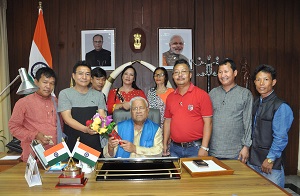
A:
x: 270, y: 161
x: 207, y: 149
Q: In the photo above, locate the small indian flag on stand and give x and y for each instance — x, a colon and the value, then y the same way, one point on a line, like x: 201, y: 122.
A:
x: 57, y: 153
x: 85, y: 153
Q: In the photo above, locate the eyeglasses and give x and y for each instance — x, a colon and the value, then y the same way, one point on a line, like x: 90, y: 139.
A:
x: 159, y: 75
x: 182, y: 72
x: 83, y: 73
x: 141, y: 108
x: 98, y: 41
x: 178, y: 43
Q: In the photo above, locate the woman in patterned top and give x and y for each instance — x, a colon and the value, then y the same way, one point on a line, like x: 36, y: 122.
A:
x: 119, y: 98
x: 157, y: 95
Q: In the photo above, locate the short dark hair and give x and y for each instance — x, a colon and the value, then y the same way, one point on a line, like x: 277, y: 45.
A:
x: 98, y: 72
x: 181, y: 61
x: 230, y: 61
x: 81, y: 63
x: 266, y: 69
x: 135, y: 77
x: 165, y: 73
x: 97, y: 35
x: 47, y: 72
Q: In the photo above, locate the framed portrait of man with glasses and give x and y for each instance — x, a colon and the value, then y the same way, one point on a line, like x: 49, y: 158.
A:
x: 98, y: 48
x: 174, y: 44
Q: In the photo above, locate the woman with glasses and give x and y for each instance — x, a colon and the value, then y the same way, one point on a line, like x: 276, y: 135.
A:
x: 119, y: 98
x: 157, y: 95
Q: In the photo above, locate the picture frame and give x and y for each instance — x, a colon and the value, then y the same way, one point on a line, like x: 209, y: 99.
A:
x: 98, y: 59
x: 166, y: 56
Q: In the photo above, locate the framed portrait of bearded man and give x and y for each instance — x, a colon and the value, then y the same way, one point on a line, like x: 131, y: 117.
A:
x: 174, y: 44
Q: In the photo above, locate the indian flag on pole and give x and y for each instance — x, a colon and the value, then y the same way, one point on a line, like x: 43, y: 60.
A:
x: 40, y: 54
x: 85, y: 153
x: 57, y: 153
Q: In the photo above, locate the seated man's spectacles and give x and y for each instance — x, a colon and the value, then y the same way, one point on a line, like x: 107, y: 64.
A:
x: 159, y: 75
x: 98, y: 41
x: 141, y: 108
x: 82, y: 73
x: 183, y: 72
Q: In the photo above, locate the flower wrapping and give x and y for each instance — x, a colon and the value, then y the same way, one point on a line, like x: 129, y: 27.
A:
x: 103, y: 125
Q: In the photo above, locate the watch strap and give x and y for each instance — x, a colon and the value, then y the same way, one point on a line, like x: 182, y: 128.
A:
x: 205, y: 148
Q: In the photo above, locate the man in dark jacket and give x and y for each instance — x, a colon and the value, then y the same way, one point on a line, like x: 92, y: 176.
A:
x: 272, y: 119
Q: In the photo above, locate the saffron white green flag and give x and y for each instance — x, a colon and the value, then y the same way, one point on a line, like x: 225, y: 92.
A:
x: 40, y: 54
x: 85, y: 153
x: 57, y: 153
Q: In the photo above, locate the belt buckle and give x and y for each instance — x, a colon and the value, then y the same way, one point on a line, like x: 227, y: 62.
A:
x: 183, y: 144
x: 186, y: 144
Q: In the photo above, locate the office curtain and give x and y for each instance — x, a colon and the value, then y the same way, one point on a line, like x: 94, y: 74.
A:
x: 5, y: 108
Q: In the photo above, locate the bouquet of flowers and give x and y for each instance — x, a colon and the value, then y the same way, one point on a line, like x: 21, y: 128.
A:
x: 104, y: 126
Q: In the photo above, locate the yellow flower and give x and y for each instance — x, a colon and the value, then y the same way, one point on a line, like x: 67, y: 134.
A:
x: 95, y: 127
x: 102, y: 130
x: 97, y: 121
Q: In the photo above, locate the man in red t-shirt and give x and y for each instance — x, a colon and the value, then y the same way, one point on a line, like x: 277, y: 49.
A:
x: 188, y: 116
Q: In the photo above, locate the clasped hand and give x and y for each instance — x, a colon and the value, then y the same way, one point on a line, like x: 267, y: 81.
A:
x: 44, y: 139
x: 126, y: 105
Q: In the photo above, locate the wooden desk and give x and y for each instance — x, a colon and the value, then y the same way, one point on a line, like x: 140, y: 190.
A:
x: 244, y: 181
x: 6, y: 164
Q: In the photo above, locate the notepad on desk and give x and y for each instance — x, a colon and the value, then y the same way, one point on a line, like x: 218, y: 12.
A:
x: 9, y: 157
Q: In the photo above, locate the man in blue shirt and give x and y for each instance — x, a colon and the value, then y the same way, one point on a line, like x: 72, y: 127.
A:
x: 272, y: 119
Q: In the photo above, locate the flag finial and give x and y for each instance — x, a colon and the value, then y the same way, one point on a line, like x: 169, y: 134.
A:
x: 40, y: 5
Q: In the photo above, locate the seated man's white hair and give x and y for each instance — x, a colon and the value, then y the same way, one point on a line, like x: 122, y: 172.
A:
x: 137, y: 98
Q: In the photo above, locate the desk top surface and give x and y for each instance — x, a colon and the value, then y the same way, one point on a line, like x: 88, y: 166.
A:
x: 244, y: 181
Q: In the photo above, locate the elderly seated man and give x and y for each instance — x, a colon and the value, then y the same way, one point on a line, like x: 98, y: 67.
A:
x: 140, y: 136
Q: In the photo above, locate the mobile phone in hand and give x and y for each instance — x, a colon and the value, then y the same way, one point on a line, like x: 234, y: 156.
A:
x: 200, y: 163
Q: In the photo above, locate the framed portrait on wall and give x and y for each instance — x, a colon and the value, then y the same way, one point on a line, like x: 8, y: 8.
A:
x: 174, y: 44
x: 98, y: 48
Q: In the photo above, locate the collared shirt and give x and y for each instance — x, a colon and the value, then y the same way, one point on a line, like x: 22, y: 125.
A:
x: 33, y: 114
x: 281, y: 124
x: 231, y: 121
x: 187, y: 112
x: 155, y: 151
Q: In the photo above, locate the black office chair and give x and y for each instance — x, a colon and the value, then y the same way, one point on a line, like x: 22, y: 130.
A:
x: 121, y: 115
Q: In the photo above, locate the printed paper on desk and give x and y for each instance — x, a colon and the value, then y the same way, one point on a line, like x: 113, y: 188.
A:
x: 32, y: 174
x: 212, y: 166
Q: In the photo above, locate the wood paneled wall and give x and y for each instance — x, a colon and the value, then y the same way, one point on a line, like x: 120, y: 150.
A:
x: 262, y: 31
